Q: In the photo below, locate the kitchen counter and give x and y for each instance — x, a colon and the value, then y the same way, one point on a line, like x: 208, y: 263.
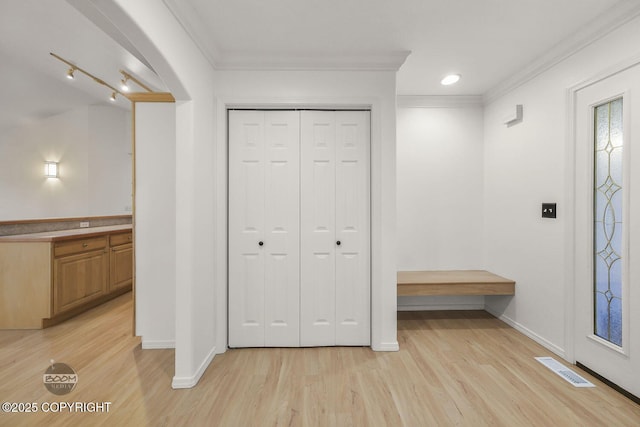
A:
x: 54, y: 236
x: 48, y: 277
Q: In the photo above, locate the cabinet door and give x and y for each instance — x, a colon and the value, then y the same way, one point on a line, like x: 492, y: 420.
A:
x: 263, y: 228
x: 79, y: 278
x: 335, y: 255
x: 121, y: 267
x: 353, y: 283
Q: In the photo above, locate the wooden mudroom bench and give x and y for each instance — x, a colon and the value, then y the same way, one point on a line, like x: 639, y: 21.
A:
x: 453, y: 282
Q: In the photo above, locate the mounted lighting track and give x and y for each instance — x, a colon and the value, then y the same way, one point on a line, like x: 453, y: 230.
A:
x: 149, y: 96
x: 128, y: 76
x: 88, y: 74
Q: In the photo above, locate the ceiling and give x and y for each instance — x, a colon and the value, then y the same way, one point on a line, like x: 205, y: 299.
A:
x: 486, y: 41
x: 35, y: 84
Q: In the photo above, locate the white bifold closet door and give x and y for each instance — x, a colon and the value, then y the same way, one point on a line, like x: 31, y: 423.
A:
x: 334, y: 207
x: 299, y: 212
x: 264, y: 229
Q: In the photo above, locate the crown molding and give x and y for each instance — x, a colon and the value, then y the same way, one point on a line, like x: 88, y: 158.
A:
x: 439, y: 101
x: 615, y: 17
x: 228, y: 60
x: 192, y: 24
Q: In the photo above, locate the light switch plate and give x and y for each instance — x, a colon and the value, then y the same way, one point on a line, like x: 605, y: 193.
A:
x: 549, y: 210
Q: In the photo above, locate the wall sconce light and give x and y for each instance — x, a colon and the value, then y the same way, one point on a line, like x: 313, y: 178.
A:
x: 51, y: 169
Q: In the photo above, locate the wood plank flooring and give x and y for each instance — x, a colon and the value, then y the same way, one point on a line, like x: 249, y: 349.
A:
x: 453, y: 369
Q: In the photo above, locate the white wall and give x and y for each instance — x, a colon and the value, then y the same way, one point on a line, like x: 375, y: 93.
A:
x: 440, y: 195
x: 155, y: 224
x: 80, y: 140
x: 150, y: 26
x: 110, y: 161
x: 333, y: 89
x: 525, y: 165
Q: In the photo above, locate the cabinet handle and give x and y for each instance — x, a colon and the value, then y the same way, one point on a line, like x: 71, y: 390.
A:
x: 338, y: 243
x: 260, y: 243
x: 84, y: 245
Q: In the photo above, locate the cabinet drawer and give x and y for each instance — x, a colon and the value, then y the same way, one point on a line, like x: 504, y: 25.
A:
x: 121, y: 239
x: 82, y: 245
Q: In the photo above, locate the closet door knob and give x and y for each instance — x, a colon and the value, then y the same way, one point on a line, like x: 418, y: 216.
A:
x: 260, y: 243
x: 338, y: 243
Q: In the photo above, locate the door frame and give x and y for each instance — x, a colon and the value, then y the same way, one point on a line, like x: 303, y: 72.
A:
x: 383, y: 296
x: 571, y: 259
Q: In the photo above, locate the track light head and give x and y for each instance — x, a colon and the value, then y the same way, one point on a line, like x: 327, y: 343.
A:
x: 112, y: 98
x: 70, y: 75
x: 124, y: 84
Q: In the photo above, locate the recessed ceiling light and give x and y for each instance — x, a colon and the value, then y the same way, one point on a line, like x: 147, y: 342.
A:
x: 450, y: 79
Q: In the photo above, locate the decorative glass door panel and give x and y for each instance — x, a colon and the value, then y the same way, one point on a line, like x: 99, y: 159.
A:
x: 608, y: 221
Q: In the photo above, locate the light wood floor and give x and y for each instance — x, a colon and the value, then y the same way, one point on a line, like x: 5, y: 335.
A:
x: 454, y: 368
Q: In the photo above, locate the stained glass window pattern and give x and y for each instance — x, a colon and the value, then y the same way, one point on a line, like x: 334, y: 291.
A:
x: 607, y: 230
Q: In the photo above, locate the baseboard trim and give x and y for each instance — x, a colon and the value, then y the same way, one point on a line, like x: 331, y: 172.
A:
x: 613, y: 385
x: 529, y: 333
x: 157, y: 344
x: 190, y: 382
x: 436, y: 307
x: 386, y: 346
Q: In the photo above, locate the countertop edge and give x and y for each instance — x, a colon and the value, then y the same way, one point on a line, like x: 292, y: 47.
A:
x: 56, y: 236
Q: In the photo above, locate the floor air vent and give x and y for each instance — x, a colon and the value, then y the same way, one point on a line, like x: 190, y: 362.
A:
x: 564, y: 372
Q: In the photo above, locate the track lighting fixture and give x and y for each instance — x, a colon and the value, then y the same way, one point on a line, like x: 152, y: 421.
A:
x: 125, y: 82
x: 125, y: 85
x: 73, y: 68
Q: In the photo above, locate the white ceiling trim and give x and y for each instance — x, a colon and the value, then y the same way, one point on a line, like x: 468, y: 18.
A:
x: 601, y: 26
x: 439, y: 101
x: 193, y: 25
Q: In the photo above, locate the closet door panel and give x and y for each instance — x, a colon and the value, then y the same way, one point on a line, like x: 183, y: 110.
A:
x: 282, y: 223
x: 299, y: 257
x: 246, y: 229
x: 317, y: 211
x: 352, y: 228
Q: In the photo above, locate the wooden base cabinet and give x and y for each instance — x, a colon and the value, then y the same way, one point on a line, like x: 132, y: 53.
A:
x: 79, y: 278
x: 121, y: 261
x: 43, y: 282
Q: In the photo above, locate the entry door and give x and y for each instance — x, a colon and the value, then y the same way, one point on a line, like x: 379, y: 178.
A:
x: 607, y: 293
x: 264, y: 212
x: 335, y: 206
